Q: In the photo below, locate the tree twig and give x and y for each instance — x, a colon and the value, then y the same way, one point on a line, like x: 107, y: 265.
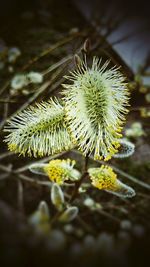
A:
x: 20, y: 196
x: 78, y: 184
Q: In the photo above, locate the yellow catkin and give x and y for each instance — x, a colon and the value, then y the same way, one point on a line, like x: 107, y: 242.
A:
x: 59, y: 170
x: 103, y: 178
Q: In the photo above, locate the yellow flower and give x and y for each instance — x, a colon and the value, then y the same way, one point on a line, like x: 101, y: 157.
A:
x: 105, y: 178
x: 57, y: 170
x: 61, y: 170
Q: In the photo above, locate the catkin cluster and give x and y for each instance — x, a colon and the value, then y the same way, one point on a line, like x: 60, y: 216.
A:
x: 89, y: 116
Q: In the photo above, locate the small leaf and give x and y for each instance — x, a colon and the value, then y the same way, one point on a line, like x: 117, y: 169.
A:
x: 57, y: 196
x: 69, y: 214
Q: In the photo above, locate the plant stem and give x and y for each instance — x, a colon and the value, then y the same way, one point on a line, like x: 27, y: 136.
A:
x: 78, y: 184
x: 86, y: 163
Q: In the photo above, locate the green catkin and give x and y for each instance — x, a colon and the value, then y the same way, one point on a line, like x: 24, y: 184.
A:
x: 95, y: 104
x: 39, y: 130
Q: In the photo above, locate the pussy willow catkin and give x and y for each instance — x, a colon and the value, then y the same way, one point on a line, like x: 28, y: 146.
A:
x: 91, y: 115
x: 106, y: 179
x: 39, y: 130
x: 96, y: 102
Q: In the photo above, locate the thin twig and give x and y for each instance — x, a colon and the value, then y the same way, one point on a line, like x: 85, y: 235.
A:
x: 4, y: 176
x: 57, y: 64
x: 130, y: 177
x: 85, y: 225
x: 5, y: 114
x: 4, y: 87
x: 6, y: 154
x: 7, y: 169
x: 49, y: 50
x: 108, y: 215
x: 7, y: 101
x: 78, y: 184
x: 26, y: 167
x: 20, y: 197
x: 57, y: 216
x: 41, y: 89
x: 33, y: 181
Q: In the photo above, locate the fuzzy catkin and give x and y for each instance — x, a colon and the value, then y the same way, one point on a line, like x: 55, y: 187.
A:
x: 96, y: 102
x: 39, y: 130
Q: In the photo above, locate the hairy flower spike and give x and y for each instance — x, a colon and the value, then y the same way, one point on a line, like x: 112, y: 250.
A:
x: 104, y: 178
x: 61, y: 170
x: 39, y: 130
x: 95, y: 105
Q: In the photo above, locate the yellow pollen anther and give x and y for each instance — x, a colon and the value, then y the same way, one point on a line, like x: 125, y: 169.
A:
x: 103, y: 177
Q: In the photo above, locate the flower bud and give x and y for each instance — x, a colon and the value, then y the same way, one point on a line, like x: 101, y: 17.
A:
x: 57, y: 196
x: 77, y: 60
x: 87, y: 46
x: 69, y: 214
x: 37, y: 168
x: 40, y: 218
x: 44, y: 209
